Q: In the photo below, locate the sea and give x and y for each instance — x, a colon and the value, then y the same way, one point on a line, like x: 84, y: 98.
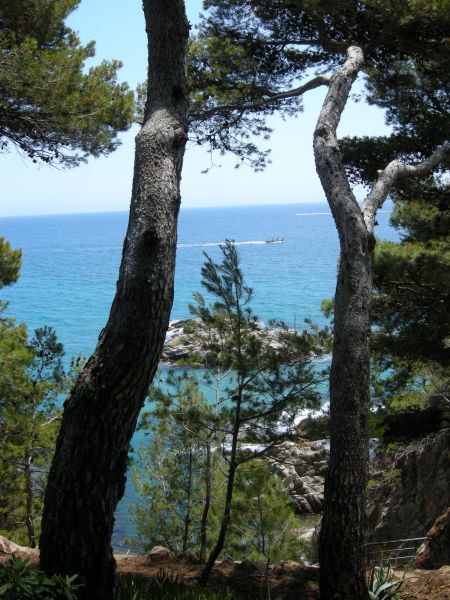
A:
x: 289, y: 256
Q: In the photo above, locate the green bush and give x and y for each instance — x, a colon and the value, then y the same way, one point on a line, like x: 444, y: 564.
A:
x: 315, y: 428
x: 163, y: 587
x: 19, y: 580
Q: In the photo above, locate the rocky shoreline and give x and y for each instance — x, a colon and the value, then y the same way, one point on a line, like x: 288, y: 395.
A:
x: 403, y: 508
x: 301, y: 466
x: 177, y: 346
x: 302, y: 469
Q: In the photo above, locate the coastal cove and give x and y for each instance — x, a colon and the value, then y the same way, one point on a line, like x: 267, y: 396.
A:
x: 70, y: 266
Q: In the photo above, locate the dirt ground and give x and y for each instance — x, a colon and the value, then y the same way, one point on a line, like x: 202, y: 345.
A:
x: 288, y: 581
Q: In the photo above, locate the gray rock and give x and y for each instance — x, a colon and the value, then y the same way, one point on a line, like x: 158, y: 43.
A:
x: 435, y: 551
x: 409, y: 506
x: 304, y: 475
x: 299, y: 486
x: 315, y: 501
x: 10, y: 548
x: 159, y: 553
x: 290, y: 479
x: 301, y: 504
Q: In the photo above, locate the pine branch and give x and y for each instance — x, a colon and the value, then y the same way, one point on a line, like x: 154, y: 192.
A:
x: 396, y: 170
x: 272, y: 98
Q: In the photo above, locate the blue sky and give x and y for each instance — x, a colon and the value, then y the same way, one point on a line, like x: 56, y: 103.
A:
x: 105, y: 184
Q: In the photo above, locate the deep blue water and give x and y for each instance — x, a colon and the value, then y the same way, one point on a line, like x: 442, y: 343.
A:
x: 70, y: 267
x: 70, y: 263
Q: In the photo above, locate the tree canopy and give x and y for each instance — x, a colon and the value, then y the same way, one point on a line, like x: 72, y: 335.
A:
x: 412, y: 279
x: 52, y: 107
x: 10, y: 261
x: 270, y: 46
x: 250, y: 56
x: 262, y: 378
x: 31, y: 377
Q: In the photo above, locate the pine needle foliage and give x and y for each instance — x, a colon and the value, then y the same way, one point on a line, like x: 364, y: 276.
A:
x: 53, y: 107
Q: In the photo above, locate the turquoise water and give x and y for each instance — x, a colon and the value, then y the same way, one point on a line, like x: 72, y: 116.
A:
x: 70, y: 266
x: 70, y: 263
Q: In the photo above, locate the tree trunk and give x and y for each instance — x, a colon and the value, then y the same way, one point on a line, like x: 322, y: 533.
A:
x: 29, y: 454
x: 341, y: 556
x: 87, y: 477
x: 341, y: 541
x: 188, y: 513
x: 29, y: 497
x: 342, y: 536
x: 204, y: 576
x: 206, y: 503
x: 233, y: 465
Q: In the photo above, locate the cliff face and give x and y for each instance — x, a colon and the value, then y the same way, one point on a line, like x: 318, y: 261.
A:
x: 408, y: 505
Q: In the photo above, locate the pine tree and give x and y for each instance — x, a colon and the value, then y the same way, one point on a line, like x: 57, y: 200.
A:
x: 411, y: 283
x: 176, y: 473
x: 271, y: 46
x: 10, y: 262
x: 263, y: 524
x: 29, y: 424
x: 261, y: 380
x: 87, y: 476
x: 270, y: 377
x: 52, y: 108
x: 181, y: 471
x: 412, y: 280
x: 31, y: 378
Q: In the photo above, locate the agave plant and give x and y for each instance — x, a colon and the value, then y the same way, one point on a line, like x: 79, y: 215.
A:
x: 382, y: 583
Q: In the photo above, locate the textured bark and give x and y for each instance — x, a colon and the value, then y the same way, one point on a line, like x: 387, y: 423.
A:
x: 87, y: 477
x: 29, y: 454
x: 207, y: 503
x: 232, y: 468
x: 29, y: 498
x: 188, y: 499
x: 341, y: 554
x: 341, y: 539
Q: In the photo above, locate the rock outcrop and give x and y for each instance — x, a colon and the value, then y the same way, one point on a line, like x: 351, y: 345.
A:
x: 302, y: 469
x: 11, y: 549
x: 175, y: 347
x: 435, y: 551
x: 159, y: 553
x: 179, y: 346
x: 408, y: 504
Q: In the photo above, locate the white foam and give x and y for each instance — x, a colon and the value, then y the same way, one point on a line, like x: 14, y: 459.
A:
x: 209, y: 244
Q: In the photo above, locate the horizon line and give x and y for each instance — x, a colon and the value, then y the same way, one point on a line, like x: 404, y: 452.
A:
x: 210, y: 206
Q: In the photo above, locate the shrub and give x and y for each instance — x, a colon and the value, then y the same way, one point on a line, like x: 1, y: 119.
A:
x: 164, y: 587
x: 19, y: 580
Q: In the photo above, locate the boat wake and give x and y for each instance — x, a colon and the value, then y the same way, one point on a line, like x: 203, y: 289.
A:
x: 210, y: 244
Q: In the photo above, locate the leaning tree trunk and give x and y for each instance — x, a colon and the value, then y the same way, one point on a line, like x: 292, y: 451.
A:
x: 232, y: 468
x: 206, y: 503
x: 341, y: 555
x: 87, y: 477
x: 341, y: 539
